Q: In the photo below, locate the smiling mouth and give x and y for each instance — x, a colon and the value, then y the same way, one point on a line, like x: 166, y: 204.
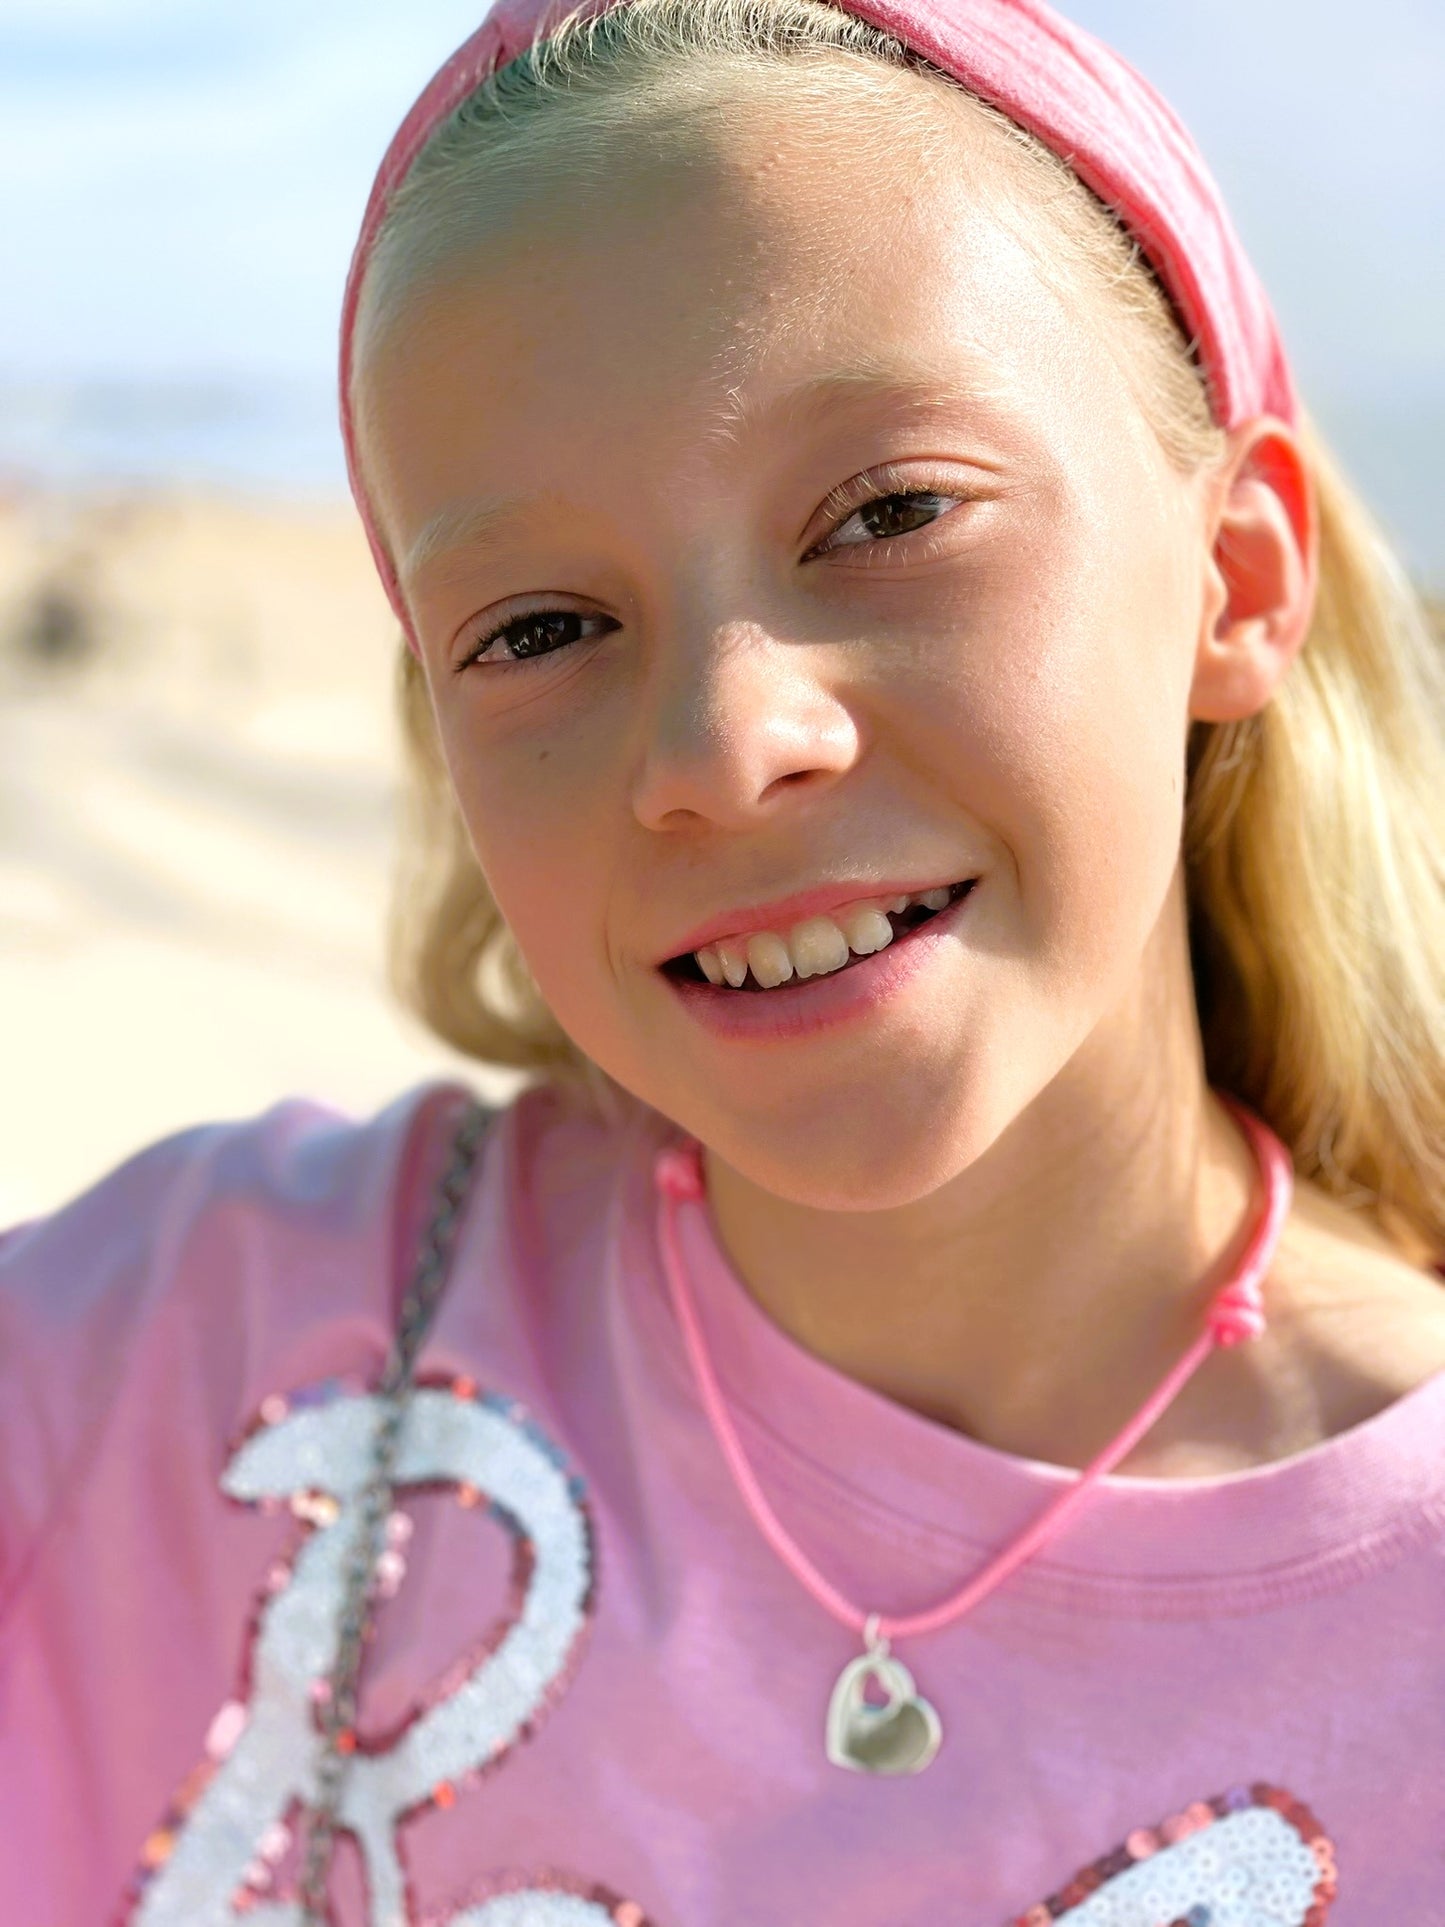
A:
x: 820, y: 947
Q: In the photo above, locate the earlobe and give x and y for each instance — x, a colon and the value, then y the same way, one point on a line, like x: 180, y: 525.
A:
x: 1261, y: 574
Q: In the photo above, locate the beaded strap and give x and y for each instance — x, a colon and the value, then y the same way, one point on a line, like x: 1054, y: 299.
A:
x: 338, y: 1701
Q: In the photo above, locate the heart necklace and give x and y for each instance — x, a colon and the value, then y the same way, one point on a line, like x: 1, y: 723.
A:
x: 903, y: 1733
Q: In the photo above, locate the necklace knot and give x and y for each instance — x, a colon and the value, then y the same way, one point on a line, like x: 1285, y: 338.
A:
x: 678, y: 1171
x: 1237, y: 1314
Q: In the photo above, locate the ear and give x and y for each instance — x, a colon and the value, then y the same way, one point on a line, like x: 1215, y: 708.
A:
x: 1260, y: 577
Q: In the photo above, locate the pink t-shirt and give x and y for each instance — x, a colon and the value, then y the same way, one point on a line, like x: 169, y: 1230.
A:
x: 595, y: 1694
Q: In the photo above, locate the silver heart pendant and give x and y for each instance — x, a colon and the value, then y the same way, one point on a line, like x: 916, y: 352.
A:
x: 901, y: 1735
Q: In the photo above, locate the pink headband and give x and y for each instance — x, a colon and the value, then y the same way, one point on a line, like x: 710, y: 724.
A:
x: 1051, y: 77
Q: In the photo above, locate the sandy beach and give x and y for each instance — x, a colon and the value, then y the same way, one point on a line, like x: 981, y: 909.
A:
x: 197, y: 773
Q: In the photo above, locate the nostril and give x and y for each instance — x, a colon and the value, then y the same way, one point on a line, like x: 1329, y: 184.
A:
x: 781, y: 788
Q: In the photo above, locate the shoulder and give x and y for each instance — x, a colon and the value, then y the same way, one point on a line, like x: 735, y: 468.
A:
x: 570, y: 1157
x: 1366, y: 1317
x: 198, y: 1260
x: 568, y: 1196
x: 298, y: 1164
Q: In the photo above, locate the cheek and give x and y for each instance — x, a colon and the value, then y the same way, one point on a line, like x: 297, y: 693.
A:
x: 535, y: 805
x: 1056, y: 712
x: 1102, y: 743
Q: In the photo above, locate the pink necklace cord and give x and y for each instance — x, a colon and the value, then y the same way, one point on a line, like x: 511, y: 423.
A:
x: 1236, y: 1313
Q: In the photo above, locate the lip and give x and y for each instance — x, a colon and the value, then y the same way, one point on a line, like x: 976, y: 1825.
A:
x: 799, y: 1010
x: 780, y: 913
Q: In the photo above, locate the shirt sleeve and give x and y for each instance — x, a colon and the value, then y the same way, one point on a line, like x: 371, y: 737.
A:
x: 77, y: 1289
x: 183, y: 1253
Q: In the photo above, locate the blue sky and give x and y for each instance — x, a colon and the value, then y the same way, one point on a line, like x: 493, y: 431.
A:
x: 180, y: 184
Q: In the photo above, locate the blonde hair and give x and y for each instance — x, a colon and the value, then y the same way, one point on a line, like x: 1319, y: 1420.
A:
x: 1313, y: 850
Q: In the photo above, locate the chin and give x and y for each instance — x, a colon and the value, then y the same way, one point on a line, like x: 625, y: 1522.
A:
x: 864, y: 1156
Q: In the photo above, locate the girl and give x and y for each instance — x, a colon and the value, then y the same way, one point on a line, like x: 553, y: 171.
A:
x: 932, y: 1408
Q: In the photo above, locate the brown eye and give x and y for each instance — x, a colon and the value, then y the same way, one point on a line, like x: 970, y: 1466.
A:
x: 539, y: 633
x: 884, y: 517
x: 900, y: 514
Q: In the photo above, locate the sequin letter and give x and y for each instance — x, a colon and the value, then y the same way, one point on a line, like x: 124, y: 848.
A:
x: 206, y: 1875
x: 1253, y: 1857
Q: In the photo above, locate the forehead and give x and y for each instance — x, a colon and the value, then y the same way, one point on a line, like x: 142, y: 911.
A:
x: 740, y: 272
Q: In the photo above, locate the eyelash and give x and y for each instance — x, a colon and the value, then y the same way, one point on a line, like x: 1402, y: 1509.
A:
x: 842, y: 503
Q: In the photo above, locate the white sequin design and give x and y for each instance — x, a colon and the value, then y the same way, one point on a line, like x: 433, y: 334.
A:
x: 535, y: 1910
x: 327, y: 1449
x: 1248, y: 1869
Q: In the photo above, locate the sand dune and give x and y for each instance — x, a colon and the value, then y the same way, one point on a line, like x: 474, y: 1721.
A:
x: 197, y: 766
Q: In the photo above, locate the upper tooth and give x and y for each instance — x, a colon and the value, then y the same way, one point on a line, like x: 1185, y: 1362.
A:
x: 734, y: 961
x: 811, y: 948
x: 866, y: 928
x: 769, y: 960
x: 817, y: 947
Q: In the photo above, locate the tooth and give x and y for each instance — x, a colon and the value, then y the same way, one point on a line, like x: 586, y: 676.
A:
x: 933, y: 899
x: 768, y: 960
x: 734, y: 962
x: 897, y: 905
x: 817, y: 947
x: 866, y: 928
x: 709, y: 964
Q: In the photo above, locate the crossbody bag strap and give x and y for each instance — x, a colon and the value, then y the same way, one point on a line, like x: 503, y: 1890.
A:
x: 417, y: 1309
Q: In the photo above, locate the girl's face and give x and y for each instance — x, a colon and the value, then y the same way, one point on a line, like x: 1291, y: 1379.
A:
x: 782, y: 541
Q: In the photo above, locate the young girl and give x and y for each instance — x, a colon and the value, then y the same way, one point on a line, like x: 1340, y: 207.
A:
x: 932, y: 1409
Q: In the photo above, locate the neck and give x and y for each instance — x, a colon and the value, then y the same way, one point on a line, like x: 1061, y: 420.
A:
x: 1034, y: 1300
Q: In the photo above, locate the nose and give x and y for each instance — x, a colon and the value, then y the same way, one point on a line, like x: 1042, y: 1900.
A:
x: 738, y: 726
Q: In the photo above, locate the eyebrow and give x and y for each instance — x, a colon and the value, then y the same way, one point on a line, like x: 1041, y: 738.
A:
x: 474, y: 526
x: 471, y: 528
x: 915, y: 389
x: 464, y: 526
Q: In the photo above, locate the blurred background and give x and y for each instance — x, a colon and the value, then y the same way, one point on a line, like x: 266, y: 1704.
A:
x: 197, y: 758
